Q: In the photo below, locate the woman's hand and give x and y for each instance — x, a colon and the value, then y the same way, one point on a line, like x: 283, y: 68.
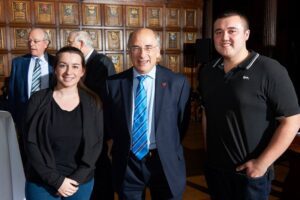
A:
x: 68, y: 187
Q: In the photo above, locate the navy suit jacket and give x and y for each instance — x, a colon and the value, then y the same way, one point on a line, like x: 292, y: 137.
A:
x: 171, y: 113
x: 18, y: 85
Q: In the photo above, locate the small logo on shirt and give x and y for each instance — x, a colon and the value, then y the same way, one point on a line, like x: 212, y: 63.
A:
x: 246, y: 77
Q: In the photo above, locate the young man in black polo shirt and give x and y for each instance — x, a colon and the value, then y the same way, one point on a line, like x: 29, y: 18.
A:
x: 251, y: 114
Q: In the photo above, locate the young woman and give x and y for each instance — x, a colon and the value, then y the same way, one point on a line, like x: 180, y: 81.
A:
x: 64, y: 134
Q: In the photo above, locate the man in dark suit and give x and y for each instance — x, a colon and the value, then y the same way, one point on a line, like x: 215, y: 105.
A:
x: 98, y: 68
x: 21, y: 76
x: 160, y: 164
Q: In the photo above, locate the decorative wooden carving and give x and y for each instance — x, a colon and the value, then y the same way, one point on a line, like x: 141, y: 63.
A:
x: 172, y: 40
x: 44, y: 12
x: 91, y: 14
x: 190, y: 37
x: 20, y: 11
x: 134, y: 16
x: 68, y: 13
x: 114, y: 39
x: 190, y: 18
x: 20, y: 38
x: 113, y: 15
x: 154, y: 17
x: 172, y: 17
x: 117, y: 60
x: 173, y: 62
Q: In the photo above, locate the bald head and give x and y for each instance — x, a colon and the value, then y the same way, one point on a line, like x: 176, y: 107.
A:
x: 144, y: 49
x: 143, y: 31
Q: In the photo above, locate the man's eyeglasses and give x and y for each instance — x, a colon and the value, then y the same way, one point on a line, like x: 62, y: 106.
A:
x: 137, y: 49
x: 34, y: 41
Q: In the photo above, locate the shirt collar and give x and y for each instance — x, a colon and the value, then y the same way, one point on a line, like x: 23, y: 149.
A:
x: 42, y: 58
x: 246, y: 64
x: 88, y: 55
x: 151, y: 74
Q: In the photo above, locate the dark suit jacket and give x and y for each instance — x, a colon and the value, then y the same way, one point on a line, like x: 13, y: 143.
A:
x: 99, y: 67
x: 18, y: 85
x: 41, y: 166
x: 171, y: 113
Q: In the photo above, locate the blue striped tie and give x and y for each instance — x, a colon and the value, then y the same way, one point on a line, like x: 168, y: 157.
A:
x: 140, y: 121
x: 36, y: 76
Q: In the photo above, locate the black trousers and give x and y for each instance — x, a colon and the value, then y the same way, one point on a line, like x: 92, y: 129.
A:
x: 227, y: 185
x: 147, y: 172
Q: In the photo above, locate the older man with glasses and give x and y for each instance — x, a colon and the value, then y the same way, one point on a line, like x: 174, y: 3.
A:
x: 29, y: 73
x: 146, y: 117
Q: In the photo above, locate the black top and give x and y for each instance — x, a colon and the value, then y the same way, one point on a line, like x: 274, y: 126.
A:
x: 241, y: 107
x: 41, y: 165
x: 65, y: 136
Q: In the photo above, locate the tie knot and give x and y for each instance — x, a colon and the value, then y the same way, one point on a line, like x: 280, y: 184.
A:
x: 38, y: 61
x: 141, y: 78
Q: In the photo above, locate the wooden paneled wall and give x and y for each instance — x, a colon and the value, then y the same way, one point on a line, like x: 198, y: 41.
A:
x: 109, y: 23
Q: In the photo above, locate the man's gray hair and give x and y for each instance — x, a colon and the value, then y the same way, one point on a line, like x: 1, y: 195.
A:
x: 84, y: 37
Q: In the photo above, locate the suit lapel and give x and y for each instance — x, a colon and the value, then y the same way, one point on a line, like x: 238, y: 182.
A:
x: 126, y: 85
x: 91, y: 57
x: 25, y: 69
x: 160, y: 85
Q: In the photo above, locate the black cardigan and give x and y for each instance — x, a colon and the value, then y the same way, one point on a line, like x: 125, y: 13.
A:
x: 41, y: 162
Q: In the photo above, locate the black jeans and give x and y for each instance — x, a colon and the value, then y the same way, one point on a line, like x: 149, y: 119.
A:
x: 226, y: 185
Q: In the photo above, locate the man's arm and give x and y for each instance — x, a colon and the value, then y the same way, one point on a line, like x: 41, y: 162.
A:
x: 281, y: 140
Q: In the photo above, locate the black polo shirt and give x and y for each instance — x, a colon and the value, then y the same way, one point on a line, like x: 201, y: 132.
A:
x: 242, y: 107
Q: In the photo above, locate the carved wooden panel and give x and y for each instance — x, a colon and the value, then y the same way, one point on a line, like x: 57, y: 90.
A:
x: 172, y: 17
x: 154, y: 17
x: 114, y: 40
x: 134, y: 16
x: 190, y: 37
x: 172, y: 40
x: 117, y: 60
x: 190, y: 18
x: 113, y: 15
x: 173, y: 62
x: 44, y: 12
x: 19, y: 38
x: 91, y: 14
x: 20, y: 11
x: 68, y: 13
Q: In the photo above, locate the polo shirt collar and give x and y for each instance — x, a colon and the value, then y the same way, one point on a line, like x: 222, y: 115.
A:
x: 246, y: 64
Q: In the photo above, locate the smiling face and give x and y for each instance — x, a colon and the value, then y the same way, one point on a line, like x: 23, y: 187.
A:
x: 144, y: 50
x: 37, y: 42
x: 69, y: 70
x: 230, y: 36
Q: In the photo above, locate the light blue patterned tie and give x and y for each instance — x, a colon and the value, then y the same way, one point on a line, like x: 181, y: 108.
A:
x: 140, y: 121
x: 36, y: 76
